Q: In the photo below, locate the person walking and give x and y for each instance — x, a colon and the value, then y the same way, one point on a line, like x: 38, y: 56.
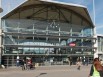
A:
x: 18, y: 62
x: 79, y: 64
x: 96, y: 69
x: 23, y: 64
x: 29, y: 64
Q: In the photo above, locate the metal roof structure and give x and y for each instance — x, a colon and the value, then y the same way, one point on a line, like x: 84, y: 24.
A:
x: 101, y: 35
x: 24, y: 10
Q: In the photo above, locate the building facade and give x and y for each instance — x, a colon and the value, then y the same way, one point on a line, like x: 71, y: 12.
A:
x: 100, y: 46
x: 47, y: 31
x: 1, y: 10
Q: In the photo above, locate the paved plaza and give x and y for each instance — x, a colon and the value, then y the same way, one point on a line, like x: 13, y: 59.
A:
x: 47, y: 71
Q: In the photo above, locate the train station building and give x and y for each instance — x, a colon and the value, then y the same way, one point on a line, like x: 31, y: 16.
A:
x: 47, y: 31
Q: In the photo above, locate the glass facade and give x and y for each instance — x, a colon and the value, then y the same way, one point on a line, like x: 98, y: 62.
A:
x: 25, y: 37
x: 100, y: 46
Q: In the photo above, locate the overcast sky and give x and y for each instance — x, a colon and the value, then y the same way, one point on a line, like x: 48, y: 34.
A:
x: 8, y: 5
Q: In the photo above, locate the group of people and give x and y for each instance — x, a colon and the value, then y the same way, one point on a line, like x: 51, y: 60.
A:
x: 95, y: 71
x: 96, y: 68
x: 26, y: 64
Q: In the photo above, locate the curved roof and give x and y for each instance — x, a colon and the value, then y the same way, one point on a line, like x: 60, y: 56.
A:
x: 77, y: 9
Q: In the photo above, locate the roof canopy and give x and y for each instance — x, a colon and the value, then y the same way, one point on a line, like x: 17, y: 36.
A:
x: 44, y: 9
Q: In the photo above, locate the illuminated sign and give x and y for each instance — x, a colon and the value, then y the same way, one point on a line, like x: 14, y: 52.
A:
x: 72, y: 44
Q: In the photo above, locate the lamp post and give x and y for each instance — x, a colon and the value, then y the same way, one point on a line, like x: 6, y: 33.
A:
x: 1, y: 10
x: 94, y: 12
x: 95, y: 36
x: 94, y: 18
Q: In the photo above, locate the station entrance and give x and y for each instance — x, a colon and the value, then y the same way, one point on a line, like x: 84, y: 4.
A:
x: 45, y: 60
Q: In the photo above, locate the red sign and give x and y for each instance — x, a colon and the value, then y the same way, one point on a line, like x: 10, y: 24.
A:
x: 72, y: 44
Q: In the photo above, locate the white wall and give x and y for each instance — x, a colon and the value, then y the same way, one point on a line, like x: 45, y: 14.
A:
x: 96, y: 45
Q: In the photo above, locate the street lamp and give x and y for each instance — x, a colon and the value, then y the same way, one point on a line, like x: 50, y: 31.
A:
x: 1, y: 10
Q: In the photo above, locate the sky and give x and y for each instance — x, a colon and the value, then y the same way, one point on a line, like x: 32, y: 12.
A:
x: 8, y: 5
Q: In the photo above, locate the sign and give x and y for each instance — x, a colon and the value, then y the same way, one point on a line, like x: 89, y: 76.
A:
x: 72, y: 44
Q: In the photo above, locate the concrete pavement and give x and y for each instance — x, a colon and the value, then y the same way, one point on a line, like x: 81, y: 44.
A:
x: 47, y: 71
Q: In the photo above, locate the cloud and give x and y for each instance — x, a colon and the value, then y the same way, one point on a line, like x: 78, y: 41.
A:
x: 99, y: 27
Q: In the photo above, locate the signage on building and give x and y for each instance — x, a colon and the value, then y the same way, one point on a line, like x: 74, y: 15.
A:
x: 72, y: 44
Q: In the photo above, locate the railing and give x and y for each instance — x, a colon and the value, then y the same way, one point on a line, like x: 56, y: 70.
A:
x: 39, y: 31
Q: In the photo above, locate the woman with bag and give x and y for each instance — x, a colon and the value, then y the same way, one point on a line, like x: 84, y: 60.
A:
x: 96, y: 69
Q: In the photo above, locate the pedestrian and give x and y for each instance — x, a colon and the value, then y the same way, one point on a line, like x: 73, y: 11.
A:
x: 23, y: 64
x: 29, y: 64
x: 70, y: 59
x: 86, y: 61
x: 96, y: 69
x: 79, y: 64
x: 17, y: 62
